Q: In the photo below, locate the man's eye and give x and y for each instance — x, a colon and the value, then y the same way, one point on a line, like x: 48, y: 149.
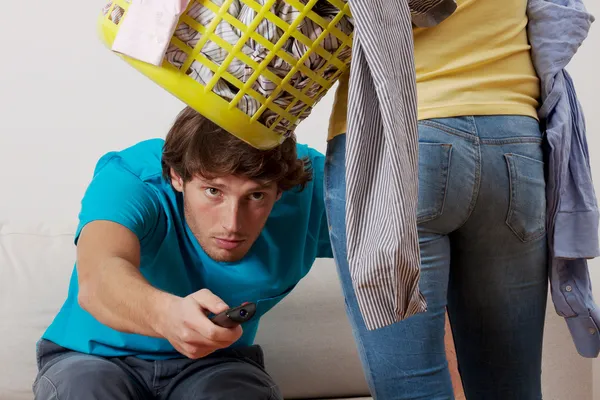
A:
x: 257, y: 196
x: 212, y: 192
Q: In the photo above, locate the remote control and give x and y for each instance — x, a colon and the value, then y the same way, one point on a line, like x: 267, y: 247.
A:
x: 235, y: 316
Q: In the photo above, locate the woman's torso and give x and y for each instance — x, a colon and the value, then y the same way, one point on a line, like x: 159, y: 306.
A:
x: 476, y: 62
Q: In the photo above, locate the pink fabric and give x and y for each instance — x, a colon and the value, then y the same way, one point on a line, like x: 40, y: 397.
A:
x: 146, y: 32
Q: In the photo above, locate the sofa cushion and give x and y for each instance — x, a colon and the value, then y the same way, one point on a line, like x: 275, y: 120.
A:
x: 35, y: 266
x: 308, y: 342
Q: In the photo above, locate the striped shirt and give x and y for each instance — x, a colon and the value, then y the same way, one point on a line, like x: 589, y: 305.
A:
x: 382, y: 158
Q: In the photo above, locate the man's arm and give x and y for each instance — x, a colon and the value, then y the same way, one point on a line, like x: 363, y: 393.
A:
x: 111, y: 286
x: 113, y: 290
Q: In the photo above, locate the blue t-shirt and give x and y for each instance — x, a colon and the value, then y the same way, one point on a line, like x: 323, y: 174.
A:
x: 128, y: 188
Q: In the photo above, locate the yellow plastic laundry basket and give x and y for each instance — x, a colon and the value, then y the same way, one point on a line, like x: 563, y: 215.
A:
x: 283, y: 116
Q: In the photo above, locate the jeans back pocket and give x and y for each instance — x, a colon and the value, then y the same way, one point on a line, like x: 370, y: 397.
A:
x: 527, y: 208
x: 434, y: 166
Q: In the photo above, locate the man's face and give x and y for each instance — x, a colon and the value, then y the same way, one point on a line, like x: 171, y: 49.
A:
x: 226, y: 214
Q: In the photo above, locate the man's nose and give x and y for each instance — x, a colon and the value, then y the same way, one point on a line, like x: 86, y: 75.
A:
x: 231, y: 218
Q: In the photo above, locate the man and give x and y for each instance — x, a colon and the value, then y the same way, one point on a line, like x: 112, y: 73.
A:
x: 171, y: 232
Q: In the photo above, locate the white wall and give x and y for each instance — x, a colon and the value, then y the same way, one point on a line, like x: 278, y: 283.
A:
x: 584, y: 69
x: 65, y: 100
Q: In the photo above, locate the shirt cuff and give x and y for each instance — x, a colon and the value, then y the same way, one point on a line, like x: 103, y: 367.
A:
x: 576, y: 235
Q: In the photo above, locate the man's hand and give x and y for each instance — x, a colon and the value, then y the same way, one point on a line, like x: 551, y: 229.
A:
x: 186, y: 326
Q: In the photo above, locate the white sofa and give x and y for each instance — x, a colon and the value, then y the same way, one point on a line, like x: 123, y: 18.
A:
x: 307, y: 339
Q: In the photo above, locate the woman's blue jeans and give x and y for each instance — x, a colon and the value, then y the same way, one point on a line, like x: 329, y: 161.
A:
x: 481, y: 215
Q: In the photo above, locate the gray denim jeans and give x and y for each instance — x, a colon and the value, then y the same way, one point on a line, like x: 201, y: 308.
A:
x: 226, y: 374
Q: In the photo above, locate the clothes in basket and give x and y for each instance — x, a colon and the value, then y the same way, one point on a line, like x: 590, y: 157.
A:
x: 257, y: 52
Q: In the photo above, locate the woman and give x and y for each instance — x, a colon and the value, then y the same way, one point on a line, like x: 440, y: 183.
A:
x: 481, y: 214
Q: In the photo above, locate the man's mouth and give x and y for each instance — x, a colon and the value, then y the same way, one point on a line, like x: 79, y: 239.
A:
x: 228, y: 244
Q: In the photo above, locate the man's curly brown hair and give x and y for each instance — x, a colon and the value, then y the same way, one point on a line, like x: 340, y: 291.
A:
x: 197, y: 146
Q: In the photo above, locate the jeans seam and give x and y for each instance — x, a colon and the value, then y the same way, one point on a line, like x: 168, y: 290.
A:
x: 54, y: 389
x: 476, y: 186
x: 516, y: 140
x: 525, y: 157
x: 272, y: 392
x: 357, y: 336
x: 452, y: 131
x: 362, y: 350
x: 154, y: 378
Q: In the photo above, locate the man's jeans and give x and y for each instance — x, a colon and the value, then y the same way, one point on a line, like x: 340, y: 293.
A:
x: 483, y: 247
x: 224, y: 375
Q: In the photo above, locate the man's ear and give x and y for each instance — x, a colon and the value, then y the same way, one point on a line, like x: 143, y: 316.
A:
x: 279, y: 194
x: 176, y: 181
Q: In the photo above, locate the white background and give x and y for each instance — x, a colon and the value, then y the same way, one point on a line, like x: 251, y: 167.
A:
x: 65, y: 100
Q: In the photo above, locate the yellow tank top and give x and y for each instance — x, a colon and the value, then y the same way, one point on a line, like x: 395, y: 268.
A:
x: 476, y: 62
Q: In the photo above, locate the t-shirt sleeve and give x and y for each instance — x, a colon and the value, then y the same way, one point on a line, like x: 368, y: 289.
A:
x: 118, y: 195
x: 323, y: 241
